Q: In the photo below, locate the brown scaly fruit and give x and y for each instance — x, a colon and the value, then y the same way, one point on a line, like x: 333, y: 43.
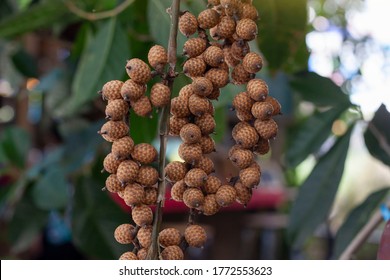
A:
x: 132, y: 90
x: 206, y: 123
x: 242, y: 102
x: 213, y: 2
x: 262, y: 147
x: 229, y: 58
x: 275, y: 104
x: 122, y: 147
x: 129, y: 256
x: 214, y: 94
x: 195, y: 236
x: 175, y: 171
x: 186, y: 91
x: 179, y: 107
x: 237, y: 127
x: 194, y: 47
x: 169, y: 237
x: 144, y: 236
x: 160, y: 95
x: 150, y: 196
x: 247, y: 137
x: 213, y: 56
x: 207, y: 144
x: 194, y: 67
x: 144, y: 153
x: 177, y: 190
x: 142, y: 215
x: 112, y: 184
x: 176, y: 124
x: 212, y: 184
x: 142, y: 254
x: 202, y: 86
x: 210, y: 205
x: 124, y: 233
x: 111, y: 163
x: 244, y: 116
x: 113, y: 130
x: 252, y: 62
x: 193, y: 197
x: 172, y: 253
x: 262, y: 110
x: 232, y: 7
x: 246, y: 29
x: 138, y: 71
x: 190, y: 153
x: 198, y: 105
x: 190, y: 133
x: 242, y: 158
x: 142, y: 107
x: 206, y: 164
x: 133, y: 194
x: 250, y: 177
x: 219, y: 77
x: 158, y: 57
x: 240, y: 76
x: 226, y: 28
x: 195, y: 178
x: 239, y: 49
x: 147, y: 175
x: 112, y: 90
x: 116, y: 110
x: 249, y: 11
x: 208, y: 18
x: 267, y: 129
x: 226, y: 195
x: 188, y: 24
x: 244, y: 194
x: 127, y: 171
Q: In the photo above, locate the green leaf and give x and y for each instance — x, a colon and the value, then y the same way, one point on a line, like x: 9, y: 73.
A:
x: 356, y: 220
x: 103, y: 59
x: 15, y: 143
x: 308, y: 136
x: 318, y: 90
x: 51, y: 191
x: 220, y: 117
x: 41, y: 15
x: 25, y: 63
x: 95, y: 218
x: 282, y: 28
x: 143, y: 130
x: 316, y: 195
x: 377, y: 135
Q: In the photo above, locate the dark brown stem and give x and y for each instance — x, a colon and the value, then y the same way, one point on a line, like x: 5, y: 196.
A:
x: 153, y: 253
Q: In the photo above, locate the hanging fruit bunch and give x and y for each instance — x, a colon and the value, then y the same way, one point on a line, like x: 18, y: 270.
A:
x: 217, y: 53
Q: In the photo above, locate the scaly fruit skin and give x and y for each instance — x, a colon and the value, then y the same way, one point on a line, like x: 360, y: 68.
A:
x: 133, y: 194
x: 144, y: 153
x: 144, y: 236
x: 157, y: 57
x: 252, y: 62
x: 194, y: 67
x: 195, y: 178
x: 177, y: 190
x: 176, y: 124
x: 116, y: 110
x: 213, y: 56
x: 132, y: 90
x: 112, y: 90
x: 112, y: 184
x: 123, y: 233
x: 219, y: 77
x: 212, y: 184
x: 150, y: 196
x: 129, y: 256
x: 202, y: 86
x: 207, y: 144
x: 190, y: 133
x: 127, y: 171
x: 226, y: 195
x: 275, y: 104
x: 179, y: 107
x: 142, y: 254
x: 242, y: 158
x: 262, y: 110
x: 193, y: 197
x: 237, y: 127
x: 194, y: 47
x: 188, y: 24
x: 244, y: 194
x: 147, y: 176
x: 239, y: 49
x: 210, y: 205
x: 242, y: 102
x: 229, y: 58
x: 111, y: 163
x: 262, y: 147
x: 246, y: 29
x: 226, y: 28
x: 113, y: 130
x: 160, y: 95
x: 122, y: 147
x: 206, y: 164
x: 208, y: 19
x: 257, y: 89
x: 138, y: 71
x: 169, y: 237
x: 267, y: 129
x: 195, y: 236
x: 249, y: 11
x: 172, y: 253
x: 186, y: 91
x: 206, y: 123
x: 142, y: 215
x: 198, y: 105
x: 250, y: 177
x: 175, y: 171
x: 244, y: 116
x: 142, y: 106
x: 240, y: 76
x: 190, y: 153
x: 247, y: 137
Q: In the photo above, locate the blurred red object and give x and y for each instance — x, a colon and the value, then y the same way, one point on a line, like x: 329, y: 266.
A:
x: 384, y: 246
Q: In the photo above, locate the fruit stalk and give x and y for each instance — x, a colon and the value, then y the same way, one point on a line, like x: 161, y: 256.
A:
x: 174, y: 10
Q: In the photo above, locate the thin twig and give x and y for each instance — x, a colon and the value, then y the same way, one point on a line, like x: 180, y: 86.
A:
x: 100, y: 15
x: 153, y: 253
x: 362, y: 236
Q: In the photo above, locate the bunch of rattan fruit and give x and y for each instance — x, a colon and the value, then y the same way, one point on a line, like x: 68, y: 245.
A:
x: 217, y: 53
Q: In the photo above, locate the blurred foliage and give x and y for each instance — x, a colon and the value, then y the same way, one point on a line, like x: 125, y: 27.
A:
x: 67, y: 179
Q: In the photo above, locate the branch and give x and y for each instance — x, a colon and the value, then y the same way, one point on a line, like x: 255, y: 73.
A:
x: 362, y: 236
x: 97, y: 16
x: 153, y: 253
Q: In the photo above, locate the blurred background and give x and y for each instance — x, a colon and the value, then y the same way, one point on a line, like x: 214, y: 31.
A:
x: 327, y: 62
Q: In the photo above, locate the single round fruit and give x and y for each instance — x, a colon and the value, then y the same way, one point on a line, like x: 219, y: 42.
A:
x: 128, y: 256
x: 157, y: 57
x: 246, y: 29
x: 175, y: 171
x: 257, y: 89
x: 195, y: 178
x: 147, y: 176
x: 144, y: 236
x: 190, y: 133
x: 127, y: 171
x: 208, y: 18
x: 160, y: 95
x: 172, y: 253
x: 193, y: 197
x: 124, y: 233
x: 142, y: 215
x: 188, y: 24
x: 252, y: 62
x: 195, y: 236
x: 113, y: 130
x: 212, y: 184
x: 226, y: 195
x: 177, y: 190
x: 144, y: 153
x: 142, y: 106
x: 122, y: 147
x: 132, y: 90
x: 194, y: 47
x: 267, y: 129
x: 138, y: 71
x: 112, y: 184
x: 190, y: 153
x: 133, y: 194
x: 210, y: 205
x: 111, y: 163
x: 169, y: 237
x: 250, y: 177
x: 112, y: 90
x: 116, y: 110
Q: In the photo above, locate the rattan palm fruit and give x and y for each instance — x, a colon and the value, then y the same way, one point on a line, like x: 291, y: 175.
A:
x: 194, y: 67
x: 242, y: 158
x: 144, y: 236
x: 257, y: 89
x: 249, y: 11
x: 188, y: 24
x: 193, y: 197
x: 210, y: 205
x: 262, y: 147
x: 112, y: 184
x: 177, y: 190
x: 214, y: 94
x: 206, y: 123
x: 250, y: 177
x: 157, y: 57
x: 127, y: 171
x: 172, y: 253
x: 111, y: 163
x: 208, y: 18
x: 175, y: 171
x: 195, y: 236
x: 190, y: 153
x: 212, y: 184
x: 132, y: 90
x: 213, y: 56
x: 247, y: 137
x: 239, y: 49
x: 242, y: 102
x: 150, y: 196
x: 133, y: 194
x: 124, y: 233
x: 240, y: 76
x: 206, y: 164
x: 142, y: 106
x: 179, y: 107
x: 138, y: 70
x: 122, y: 147
x: 267, y: 129
x: 112, y: 90
x: 275, y: 104
x: 186, y: 91
x: 142, y: 254
x: 116, y: 110
x: 207, y: 144
x: 219, y: 77
x: 244, y: 116
x: 195, y: 178
x: 198, y: 105
x: 142, y: 215
x: 176, y: 124
x: 237, y: 127
x: 160, y: 95
x: 113, y: 130
x: 144, y: 153
x: 194, y: 47
x: 230, y: 60
x: 244, y: 194
x: 225, y: 195
x: 169, y: 237
x: 262, y: 110
x: 226, y: 27
x: 129, y: 256
x: 190, y: 133
x: 252, y: 62
x: 202, y: 86
x: 246, y: 29
x: 147, y: 175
